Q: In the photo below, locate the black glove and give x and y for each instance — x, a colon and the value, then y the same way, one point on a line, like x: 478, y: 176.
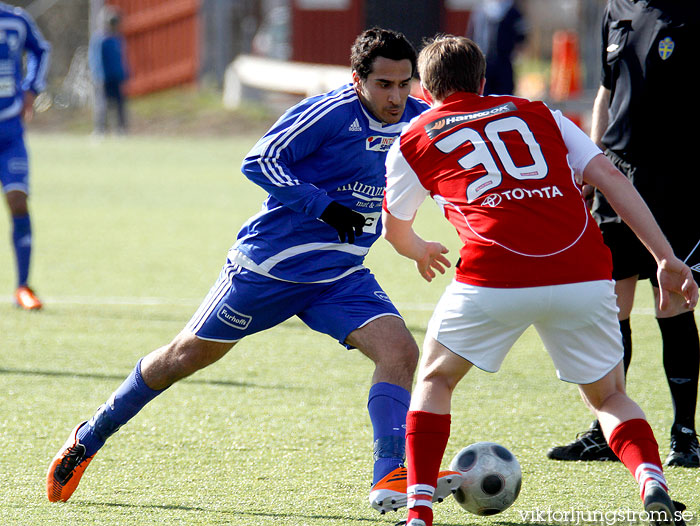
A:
x: 347, y: 222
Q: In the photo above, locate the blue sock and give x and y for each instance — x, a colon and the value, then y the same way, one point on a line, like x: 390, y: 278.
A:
x: 22, y: 240
x: 131, y: 396
x: 388, y: 405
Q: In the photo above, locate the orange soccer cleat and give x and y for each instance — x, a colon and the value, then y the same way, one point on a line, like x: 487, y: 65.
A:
x: 66, y: 469
x: 25, y: 298
x: 390, y: 492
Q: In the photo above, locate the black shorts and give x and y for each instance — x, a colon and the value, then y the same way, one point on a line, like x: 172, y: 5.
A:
x: 678, y: 222
x: 629, y: 256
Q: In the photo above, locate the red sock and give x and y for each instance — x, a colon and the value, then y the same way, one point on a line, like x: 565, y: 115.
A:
x: 426, y: 440
x: 634, y: 444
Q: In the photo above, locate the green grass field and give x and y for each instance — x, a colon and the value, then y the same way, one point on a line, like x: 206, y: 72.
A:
x: 129, y: 235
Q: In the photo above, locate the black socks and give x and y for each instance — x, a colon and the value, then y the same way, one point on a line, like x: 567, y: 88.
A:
x: 681, y: 357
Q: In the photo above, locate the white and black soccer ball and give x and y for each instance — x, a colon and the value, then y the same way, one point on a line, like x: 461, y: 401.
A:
x: 492, y: 478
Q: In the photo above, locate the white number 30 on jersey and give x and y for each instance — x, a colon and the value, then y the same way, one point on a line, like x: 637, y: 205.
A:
x: 482, y: 156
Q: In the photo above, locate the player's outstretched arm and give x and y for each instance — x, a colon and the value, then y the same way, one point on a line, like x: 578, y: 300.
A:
x: 428, y: 255
x: 674, y: 276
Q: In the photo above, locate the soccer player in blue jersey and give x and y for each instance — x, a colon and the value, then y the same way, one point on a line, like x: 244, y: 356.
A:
x: 24, y: 61
x: 322, y: 165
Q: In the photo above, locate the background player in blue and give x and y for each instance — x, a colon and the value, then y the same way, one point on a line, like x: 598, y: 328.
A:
x: 322, y: 164
x: 19, y: 84
x: 108, y: 67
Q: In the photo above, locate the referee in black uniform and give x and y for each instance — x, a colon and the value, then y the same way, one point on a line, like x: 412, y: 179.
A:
x: 644, y: 118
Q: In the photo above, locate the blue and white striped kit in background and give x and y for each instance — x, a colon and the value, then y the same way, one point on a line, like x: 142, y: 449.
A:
x: 18, y: 36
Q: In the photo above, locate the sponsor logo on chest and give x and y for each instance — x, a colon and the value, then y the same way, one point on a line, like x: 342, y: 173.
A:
x: 369, y: 196
x: 517, y: 194
x: 377, y: 143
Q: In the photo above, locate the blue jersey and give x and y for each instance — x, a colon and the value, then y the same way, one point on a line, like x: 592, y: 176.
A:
x: 113, y: 67
x: 19, y: 35
x: 326, y: 148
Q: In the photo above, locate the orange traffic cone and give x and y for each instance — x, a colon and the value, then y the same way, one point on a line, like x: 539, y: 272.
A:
x: 565, y: 82
x: 565, y: 79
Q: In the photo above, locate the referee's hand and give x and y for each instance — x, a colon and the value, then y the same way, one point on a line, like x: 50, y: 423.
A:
x: 348, y: 223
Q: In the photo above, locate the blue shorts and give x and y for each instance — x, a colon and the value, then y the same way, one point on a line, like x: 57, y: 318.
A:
x: 242, y: 302
x: 14, y: 165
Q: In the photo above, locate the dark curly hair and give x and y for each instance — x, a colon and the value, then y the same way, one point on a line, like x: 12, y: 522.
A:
x: 378, y: 42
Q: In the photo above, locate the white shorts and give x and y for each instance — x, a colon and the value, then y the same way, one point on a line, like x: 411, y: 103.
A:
x: 577, y: 323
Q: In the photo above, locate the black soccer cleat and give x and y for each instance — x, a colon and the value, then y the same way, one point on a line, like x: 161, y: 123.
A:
x: 589, y: 445
x: 685, y: 450
x: 661, y: 510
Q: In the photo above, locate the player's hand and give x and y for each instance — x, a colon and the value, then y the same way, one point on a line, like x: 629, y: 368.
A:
x: 674, y: 276
x: 348, y: 223
x: 433, y: 259
x: 588, y: 192
x: 28, y: 107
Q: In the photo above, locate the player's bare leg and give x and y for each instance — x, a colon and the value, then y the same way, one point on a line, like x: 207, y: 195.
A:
x: 388, y: 343
x: 185, y: 355
x: 632, y: 440
x: 439, y: 373
x: 17, y: 203
x: 625, y: 290
x: 161, y: 368
x: 607, y: 399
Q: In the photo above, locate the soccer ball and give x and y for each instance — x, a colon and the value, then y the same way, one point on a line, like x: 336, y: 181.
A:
x: 492, y: 478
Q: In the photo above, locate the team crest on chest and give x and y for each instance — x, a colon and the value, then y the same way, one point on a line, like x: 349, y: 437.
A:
x: 666, y: 47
